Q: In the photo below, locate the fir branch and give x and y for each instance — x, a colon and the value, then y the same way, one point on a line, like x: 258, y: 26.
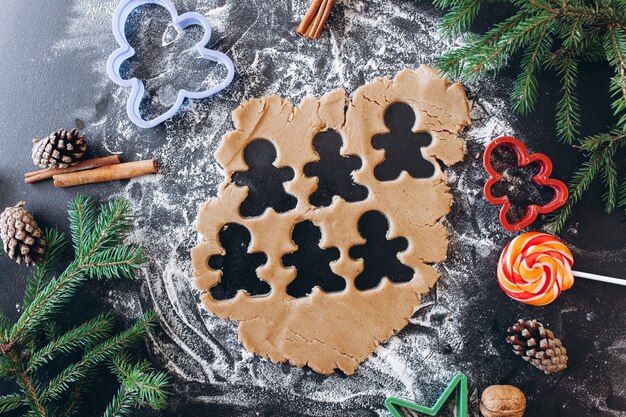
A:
x: 572, y: 32
x: 99, y: 354
x: 524, y: 94
x: 595, y: 142
x: 55, y: 296
x: 611, y: 182
x: 484, y: 58
x: 141, y: 386
x: 498, y: 31
x: 518, y: 37
x: 82, y: 214
x: 149, y: 386
x: 622, y: 194
x: 32, y: 391
x: 52, y: 330
x: 568, y: 107
x: 591, y: 49
x: 4, y: 329
x: 117, y: 262
x: 85, y: 335
x: 11, y: 402
x: 615, y: 46
x: 122, y: 404
x: 112, y: 226
x: 460, y: 17
x: 452, y: 63
x: 110, y: 229
x: 42, y: 273
x: 36, y: 339
x: 580, y: 183
x: 76, y: 396
x: 8, y: 369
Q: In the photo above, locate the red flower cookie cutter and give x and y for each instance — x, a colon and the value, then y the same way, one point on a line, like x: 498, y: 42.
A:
x: 542, y: 178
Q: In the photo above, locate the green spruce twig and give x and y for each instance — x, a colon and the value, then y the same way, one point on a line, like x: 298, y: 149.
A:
x: 36, y: 340
x: 555, y: 35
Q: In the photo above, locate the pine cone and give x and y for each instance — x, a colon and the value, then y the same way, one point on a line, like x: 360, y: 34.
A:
x: 537, y: 345
x: 22, y: 237
x: 59, y: 150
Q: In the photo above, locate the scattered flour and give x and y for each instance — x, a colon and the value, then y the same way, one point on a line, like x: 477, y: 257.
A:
x: 366, y: 39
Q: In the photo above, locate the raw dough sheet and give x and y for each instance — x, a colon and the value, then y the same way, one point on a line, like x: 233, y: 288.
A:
x: 329, y: 331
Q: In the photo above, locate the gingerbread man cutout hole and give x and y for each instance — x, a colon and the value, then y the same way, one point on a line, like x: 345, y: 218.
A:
x: 238, y: 266
x: 334, y: 171
x: 402, y: 146
x: 312, y: 263
x: 379, y: 254
x: 264, y: 181
x: 517, y: 183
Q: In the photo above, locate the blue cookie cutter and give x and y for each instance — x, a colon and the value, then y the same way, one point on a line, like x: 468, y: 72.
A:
x: 126, y: 51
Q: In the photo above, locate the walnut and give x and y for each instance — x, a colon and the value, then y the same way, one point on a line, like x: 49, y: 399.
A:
x: 502, y: 401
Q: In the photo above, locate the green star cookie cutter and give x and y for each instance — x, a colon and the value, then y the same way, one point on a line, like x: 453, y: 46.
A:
x: 458, y: 384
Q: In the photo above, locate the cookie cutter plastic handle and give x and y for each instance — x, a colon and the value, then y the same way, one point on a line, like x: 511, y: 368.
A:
x: 126, y: 51
x: 542, y: 178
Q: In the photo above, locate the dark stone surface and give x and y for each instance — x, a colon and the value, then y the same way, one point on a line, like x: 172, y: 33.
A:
x: 42, y: 87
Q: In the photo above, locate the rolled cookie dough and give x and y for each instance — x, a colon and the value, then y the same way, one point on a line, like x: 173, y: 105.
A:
x: 327, y: 331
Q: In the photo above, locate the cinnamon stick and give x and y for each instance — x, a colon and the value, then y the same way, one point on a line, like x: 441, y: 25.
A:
x: 44, y: 174
x: 107, y: 173
x: 315, y: 18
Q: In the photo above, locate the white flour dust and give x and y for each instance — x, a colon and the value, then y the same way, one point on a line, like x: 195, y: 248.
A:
x: 365, y: 40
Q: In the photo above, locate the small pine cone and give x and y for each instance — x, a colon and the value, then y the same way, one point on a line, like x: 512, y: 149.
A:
x: 537, y: 345
x: 22, y: 237
x: 59, y: 150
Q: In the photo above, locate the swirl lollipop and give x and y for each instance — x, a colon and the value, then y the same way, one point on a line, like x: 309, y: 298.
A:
x: 534, y: 268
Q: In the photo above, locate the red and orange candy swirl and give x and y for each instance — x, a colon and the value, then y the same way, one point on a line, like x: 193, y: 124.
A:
x: 534, y: 268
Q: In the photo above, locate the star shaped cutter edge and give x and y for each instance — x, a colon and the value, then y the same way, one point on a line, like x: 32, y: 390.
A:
x: 458, y: 384
x: 125, y: 51
x: 542, y: 179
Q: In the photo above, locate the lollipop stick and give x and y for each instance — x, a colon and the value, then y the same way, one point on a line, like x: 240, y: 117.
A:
x: 602, y: 278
